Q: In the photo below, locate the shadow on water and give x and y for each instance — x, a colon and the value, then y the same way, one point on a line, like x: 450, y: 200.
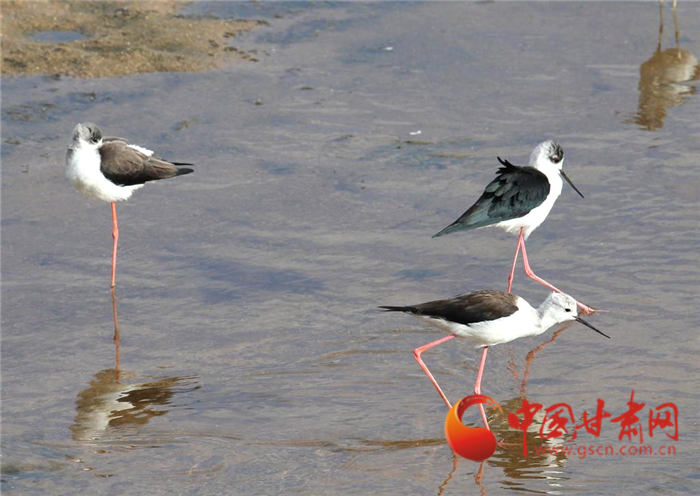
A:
x: 661, y: 78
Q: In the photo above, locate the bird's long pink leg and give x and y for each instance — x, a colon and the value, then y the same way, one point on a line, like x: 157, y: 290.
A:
x: 515, y: 261
x: 417, y: 353
x: 477, y: 385
x: 115, y: 237
x: 531, y: 275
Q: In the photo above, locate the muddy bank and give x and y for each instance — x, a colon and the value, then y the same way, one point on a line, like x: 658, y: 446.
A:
x: 105, y: 39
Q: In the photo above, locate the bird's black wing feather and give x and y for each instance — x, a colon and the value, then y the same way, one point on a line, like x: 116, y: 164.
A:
x: 513, y: 193
x: 127, y: 166
x: 465, y: 309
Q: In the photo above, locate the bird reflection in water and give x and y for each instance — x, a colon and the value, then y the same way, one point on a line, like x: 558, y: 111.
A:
x: 509, y: 455
x: 107, y: 404
x: 530, y: 358
x: 540, y: 463
x: 661, y: 78
x: 478, y: 476
x: 117, y: 336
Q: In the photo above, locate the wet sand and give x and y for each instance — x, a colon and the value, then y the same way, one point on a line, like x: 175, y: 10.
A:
x: 108, y: 39
x: 253, y: 359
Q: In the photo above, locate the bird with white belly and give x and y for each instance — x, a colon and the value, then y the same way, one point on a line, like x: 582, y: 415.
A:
x: 110, y: 169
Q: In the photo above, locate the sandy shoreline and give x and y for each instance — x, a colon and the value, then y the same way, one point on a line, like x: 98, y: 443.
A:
x: 110, y: 39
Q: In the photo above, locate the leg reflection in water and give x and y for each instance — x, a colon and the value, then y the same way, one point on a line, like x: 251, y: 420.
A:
x: 117, y: 335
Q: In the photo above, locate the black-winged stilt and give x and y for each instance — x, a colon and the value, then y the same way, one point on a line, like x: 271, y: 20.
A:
x: 487, y: 318
x: 110, y: 169
x: 518, y: 201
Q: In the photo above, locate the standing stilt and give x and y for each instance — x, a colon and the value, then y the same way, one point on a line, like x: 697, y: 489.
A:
x: 487, y: 318
x: 519, y: 200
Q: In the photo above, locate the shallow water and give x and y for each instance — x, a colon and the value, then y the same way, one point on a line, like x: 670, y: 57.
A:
x: 253, y: 359
x: 57, y: 36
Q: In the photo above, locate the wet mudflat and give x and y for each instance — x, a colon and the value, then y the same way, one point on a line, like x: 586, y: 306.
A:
x: 253, y: 360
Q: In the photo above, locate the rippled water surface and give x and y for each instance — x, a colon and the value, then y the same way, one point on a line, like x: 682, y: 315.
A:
x: 253, y: 360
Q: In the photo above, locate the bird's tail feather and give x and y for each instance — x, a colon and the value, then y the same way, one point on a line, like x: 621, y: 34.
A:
x: 457, y: 226
x: 399, y: 309
x: 469, y: 220
x: 183, y: 170
x: 451, y: 228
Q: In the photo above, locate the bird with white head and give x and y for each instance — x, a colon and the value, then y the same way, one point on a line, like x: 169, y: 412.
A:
x: 110, y: 169
x: 487, y: 318
x: 518, y: 200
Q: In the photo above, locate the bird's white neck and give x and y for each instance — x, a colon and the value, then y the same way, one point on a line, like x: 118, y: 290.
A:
x: 83, y: 169
x: 538, y: 215
x: 545, y: 319
x: 85, y: 146
x: 554, y: 176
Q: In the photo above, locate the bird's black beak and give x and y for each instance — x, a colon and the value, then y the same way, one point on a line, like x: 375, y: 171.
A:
x: 579, y: 319
x: 570, y: 183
